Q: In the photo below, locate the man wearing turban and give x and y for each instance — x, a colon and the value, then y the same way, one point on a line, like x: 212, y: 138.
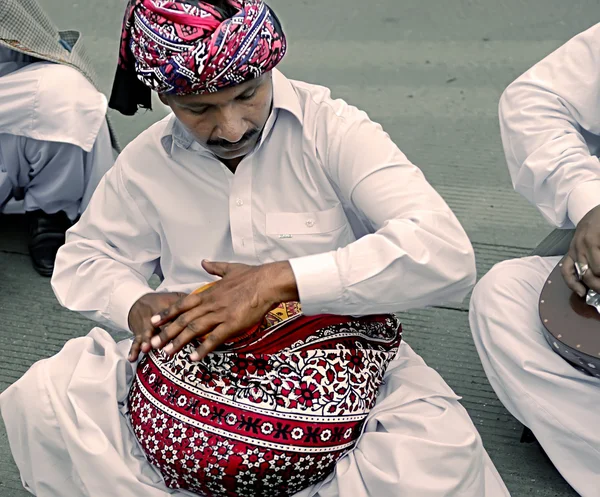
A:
x: 285, y: 228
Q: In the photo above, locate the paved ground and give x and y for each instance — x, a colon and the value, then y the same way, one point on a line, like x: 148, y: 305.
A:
x: 431, y: 72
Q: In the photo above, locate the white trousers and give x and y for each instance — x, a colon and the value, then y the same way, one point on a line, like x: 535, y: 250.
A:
x: 52, y: 176
x: 69, y: 434
x: 558, y: 403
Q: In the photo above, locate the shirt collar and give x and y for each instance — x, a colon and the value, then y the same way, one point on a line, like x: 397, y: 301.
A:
x: 284, y: 98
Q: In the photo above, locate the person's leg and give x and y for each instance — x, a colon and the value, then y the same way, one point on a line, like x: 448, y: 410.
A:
x: 418, y: 440
x: 68, y: 430
x: 52, y: 176
x: 66, y: 427
x: 544, y: 392
x: 51, y: 179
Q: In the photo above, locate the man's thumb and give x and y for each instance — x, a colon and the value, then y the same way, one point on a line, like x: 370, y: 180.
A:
x: 216, y: 268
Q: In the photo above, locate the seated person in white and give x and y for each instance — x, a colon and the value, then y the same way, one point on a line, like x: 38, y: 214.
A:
x: 55, y: 143
x: 550, y: 124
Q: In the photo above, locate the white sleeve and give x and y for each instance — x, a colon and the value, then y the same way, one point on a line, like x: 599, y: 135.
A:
x: 549, y: 118
x: 108, y: 257
x: 418, y: 253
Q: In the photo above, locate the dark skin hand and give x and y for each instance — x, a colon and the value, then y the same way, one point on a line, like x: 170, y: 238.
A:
x: 235, y: 303
x: 139, y: 319
x: 584, y: 249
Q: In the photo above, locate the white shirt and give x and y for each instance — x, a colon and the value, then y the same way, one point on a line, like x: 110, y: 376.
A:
x: 325, y: 188
x: 31, y: 106
x: 550, y: 124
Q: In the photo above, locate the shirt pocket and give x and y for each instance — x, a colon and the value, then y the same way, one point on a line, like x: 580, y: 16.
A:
x: 295, y: 234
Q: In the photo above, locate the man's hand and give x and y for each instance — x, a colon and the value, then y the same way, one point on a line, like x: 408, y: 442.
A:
x: 139, y: 319
x: 584, y: 249
x: 235, y: 303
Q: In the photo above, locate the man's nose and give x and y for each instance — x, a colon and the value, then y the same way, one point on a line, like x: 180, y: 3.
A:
x: 230, y: 126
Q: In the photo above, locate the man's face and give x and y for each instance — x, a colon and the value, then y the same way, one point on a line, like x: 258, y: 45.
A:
x: 228, y: 122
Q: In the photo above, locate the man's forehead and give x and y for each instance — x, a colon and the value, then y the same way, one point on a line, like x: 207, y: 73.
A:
x: 220, y: 97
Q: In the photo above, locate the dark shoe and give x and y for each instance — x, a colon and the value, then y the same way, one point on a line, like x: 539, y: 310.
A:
x: 528, y: 437
x: 46, y: 236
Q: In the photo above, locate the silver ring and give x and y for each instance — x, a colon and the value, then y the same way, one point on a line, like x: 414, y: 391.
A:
x: 581, y: 270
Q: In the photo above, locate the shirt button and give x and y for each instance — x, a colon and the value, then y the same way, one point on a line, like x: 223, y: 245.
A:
x: 310, y: 223
x: 239, y: 202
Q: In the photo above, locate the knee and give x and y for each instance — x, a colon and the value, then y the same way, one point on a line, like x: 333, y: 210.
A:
x: 498, y: 282
x: 504, y: 303
x: 462, y: 439
x: 506, y: 295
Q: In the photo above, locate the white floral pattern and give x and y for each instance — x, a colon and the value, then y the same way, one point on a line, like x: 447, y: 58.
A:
x: 261, y: 424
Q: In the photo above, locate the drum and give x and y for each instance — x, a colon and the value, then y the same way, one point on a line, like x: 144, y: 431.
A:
x: 571, y: 325
x: 268, y: 414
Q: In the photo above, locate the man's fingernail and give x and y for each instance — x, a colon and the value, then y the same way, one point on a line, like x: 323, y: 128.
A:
x: 168, y: 349
x: 155, y: 319
x: 194, y: 356
x: 155, y: 342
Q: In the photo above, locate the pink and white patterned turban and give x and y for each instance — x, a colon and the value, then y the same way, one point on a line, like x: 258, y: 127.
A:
x: 182, y: 47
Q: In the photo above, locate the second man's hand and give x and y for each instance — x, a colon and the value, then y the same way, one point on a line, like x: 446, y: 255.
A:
x: 584, y: 250
x: 235, y: 303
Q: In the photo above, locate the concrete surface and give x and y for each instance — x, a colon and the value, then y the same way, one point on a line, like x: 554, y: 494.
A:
x: 431, y: 73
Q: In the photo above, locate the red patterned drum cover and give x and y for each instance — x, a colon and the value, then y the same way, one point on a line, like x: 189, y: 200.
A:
x: 270, y: 414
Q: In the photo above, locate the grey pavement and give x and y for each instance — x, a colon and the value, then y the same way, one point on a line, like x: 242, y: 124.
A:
x: 431, y: 73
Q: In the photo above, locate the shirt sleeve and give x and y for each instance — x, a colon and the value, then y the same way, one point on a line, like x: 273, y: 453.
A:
x: 108, y: 257
x: 550, y: 122
x: 417, y: 253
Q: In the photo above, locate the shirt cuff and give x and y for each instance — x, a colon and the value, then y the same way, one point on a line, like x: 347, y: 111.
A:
x: 122, y: 299
x: 319, y: 283
x: 582, y: 200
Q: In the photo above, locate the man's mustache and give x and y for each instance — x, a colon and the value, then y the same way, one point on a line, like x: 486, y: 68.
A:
x: 248, y: 135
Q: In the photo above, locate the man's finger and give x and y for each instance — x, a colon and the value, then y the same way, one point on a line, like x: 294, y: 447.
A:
x: 134, y: 351
x: 173, y: 329
x: 216, y: 268
x: 211, y: 342
x: 174, y: 310
x: 141, y: 343
x: 146, y: 347
x: 196, y: 329
x: 591, y: 281
x: 570, y: 276
x: 593, y: 258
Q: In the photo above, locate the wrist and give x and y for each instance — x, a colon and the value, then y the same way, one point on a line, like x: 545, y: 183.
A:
x: 280, y: 282
x: 134, y: 310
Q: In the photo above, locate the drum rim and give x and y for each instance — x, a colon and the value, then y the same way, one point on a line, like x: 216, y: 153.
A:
x: 575, y: 346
